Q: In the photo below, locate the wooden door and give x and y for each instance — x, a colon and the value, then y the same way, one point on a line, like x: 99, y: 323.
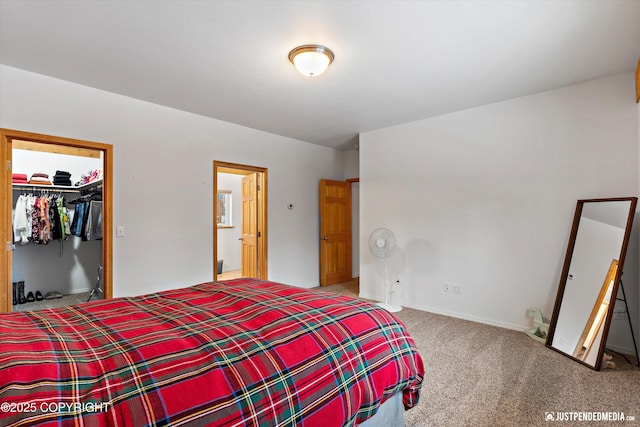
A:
x: 250, y: 225
x: 335, y: 232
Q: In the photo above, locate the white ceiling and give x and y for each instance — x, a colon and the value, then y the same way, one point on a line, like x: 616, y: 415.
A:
x: 396, y: 61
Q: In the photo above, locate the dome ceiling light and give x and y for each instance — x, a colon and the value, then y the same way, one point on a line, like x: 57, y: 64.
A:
x: 311, y: 59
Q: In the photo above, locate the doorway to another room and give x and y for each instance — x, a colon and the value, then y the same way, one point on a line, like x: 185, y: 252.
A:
x: 240, y: 221
x: 81, y: 261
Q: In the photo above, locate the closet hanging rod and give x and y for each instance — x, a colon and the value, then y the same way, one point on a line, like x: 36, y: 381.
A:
x: 45, y: 188
x: 93, y: 185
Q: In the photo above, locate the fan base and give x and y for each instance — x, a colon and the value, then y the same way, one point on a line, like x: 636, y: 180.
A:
x: 390, y: 308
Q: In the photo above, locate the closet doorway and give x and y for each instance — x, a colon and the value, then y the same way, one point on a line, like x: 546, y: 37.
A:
x: 240, y: 233
x: 58, y: 145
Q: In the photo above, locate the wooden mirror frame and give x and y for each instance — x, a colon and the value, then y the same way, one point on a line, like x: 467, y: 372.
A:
x: 617, y: 274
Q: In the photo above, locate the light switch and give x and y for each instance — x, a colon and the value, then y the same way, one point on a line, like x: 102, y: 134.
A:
x: 120, y: 231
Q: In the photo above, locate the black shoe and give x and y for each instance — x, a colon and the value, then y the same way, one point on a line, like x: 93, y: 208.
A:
x: 30, y: 297
x: 14, y: 287
x: 39, y: 296
x: 21, y: 297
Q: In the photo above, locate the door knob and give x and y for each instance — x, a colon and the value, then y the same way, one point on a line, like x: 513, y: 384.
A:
x: 325, y: 238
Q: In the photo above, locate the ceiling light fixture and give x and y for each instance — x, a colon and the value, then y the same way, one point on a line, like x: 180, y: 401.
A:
x: 311, y: 59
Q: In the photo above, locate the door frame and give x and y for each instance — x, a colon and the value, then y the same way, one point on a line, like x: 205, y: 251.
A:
x: 7, y: 136
x: 240, y: 169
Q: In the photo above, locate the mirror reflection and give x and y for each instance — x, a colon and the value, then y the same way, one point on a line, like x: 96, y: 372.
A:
x: 588, y: 285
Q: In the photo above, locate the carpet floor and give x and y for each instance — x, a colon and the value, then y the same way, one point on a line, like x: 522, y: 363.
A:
x: 72, y: 299
x: 480, y: 375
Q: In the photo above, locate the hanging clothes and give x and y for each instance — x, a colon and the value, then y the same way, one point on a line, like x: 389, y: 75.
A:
x: 64, y: 217
x: 87, y: 218
x: 93, y: 223
x: 40, y: 219
x: 21, y: 224
x: 31, y: 203
x: 44, y: 236
x: 78, y: 218
x: 35, y: 222
x: 56, y: 221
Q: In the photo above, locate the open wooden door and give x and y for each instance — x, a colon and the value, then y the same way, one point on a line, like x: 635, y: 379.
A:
x: 250, y: 228
x: 335, y: 232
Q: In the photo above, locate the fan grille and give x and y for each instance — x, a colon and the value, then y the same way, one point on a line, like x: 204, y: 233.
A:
x: 382, y: 242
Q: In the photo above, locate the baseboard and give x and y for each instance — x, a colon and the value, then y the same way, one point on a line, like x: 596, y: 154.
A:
x: 623, y: 350
x: 434, y: 310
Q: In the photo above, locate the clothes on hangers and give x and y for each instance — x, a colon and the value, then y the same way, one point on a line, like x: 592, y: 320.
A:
x: 77, y: 223
x: 40, y: 219
x: 21, y: 223
x: 87, y: 219
x: 93, y: 223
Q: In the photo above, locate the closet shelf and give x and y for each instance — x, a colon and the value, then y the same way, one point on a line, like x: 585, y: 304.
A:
x: 58, y: 188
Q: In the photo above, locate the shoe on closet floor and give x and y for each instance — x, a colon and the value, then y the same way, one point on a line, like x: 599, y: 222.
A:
x: 39, y: 296
x: 53, y: 295
x: 30, y: 297
x: 21, y: 298
x: 14, y: 287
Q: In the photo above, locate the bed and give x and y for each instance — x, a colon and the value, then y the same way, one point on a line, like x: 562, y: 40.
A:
x: 244, y: 352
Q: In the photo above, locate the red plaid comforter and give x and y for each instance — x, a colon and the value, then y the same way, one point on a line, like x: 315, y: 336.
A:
x: 244, y: 352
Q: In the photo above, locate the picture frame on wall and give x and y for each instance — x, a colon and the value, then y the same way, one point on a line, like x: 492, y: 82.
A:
x: 224, y: 214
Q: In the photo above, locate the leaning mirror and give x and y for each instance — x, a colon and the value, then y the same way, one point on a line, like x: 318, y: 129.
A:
x: 590, y: 277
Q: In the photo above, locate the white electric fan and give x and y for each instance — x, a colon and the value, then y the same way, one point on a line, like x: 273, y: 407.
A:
x: 382, y: 243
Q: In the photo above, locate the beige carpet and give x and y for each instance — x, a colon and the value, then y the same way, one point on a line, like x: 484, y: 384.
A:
x: 66, y: 300
x: 479, y: 375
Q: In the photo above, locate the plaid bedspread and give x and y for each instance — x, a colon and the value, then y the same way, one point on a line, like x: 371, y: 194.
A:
x: 238, y: 353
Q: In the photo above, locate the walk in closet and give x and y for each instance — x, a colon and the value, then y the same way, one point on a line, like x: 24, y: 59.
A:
x: 57, y: 220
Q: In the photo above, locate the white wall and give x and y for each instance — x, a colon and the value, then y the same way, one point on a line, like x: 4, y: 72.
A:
x: 163, y: 179
x: 229, y: 244
x: 484, y: 198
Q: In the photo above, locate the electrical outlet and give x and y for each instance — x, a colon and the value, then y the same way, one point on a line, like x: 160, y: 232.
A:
x: 394, y: 287
x: 456, y: 289
x: 447, y: 287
